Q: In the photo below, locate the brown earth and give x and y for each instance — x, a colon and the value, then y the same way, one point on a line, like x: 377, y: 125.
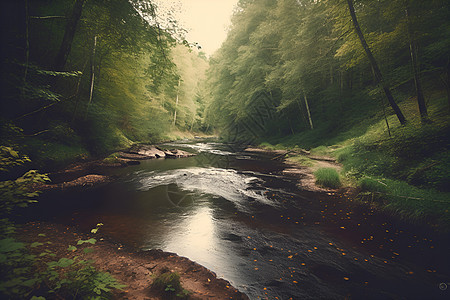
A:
x: 135, y: 269
x: 305, y: 174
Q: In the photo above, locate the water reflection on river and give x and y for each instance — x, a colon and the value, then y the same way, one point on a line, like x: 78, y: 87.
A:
x: 234, y: 213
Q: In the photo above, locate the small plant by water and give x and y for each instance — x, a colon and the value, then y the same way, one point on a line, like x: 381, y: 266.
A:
x: 168, y: 283
x: 328, y: 177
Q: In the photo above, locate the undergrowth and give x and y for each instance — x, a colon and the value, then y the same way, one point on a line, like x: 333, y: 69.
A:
x: 406, y: 172
x: 32, y: 271
x: 328, y: 177
x: 168, y: 284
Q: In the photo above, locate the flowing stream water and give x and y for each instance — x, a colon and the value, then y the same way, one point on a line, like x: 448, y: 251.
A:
x: 235, y: 213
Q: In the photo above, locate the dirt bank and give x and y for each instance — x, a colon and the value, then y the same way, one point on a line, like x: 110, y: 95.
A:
x: 303, y: 171
x: 135, y: 269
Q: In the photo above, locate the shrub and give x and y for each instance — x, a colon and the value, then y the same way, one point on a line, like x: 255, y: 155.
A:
x: 112, y: 159
x: 168, y: 283
x: 328, y: 177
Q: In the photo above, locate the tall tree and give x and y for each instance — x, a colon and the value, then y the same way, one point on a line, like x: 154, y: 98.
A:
x: 374, y: 64
x: 66, y: 45
x: 415, y: 65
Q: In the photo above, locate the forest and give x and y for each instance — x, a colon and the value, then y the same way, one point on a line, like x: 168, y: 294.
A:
x: 369, y: 88
x: 82, y: 80
x: 363, y: 83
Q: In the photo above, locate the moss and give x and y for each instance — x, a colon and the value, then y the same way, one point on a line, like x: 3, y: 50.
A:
x: 112, y: 159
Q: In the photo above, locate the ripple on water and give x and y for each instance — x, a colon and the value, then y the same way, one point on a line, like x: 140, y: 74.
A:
x: 229, y: 184
x: 204, y: 147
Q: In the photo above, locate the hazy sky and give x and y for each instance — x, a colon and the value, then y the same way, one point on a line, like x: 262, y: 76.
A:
x: 206, y: 20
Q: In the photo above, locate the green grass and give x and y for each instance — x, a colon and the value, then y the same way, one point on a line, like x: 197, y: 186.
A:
x: 407, y: 201
x: 407, y: 173
x: 328, y: 177
x: 268, y: 146
x: 301, y: 160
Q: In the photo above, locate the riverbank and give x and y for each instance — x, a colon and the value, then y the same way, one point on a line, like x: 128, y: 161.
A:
x: 302, y: 165
x: 135, y: 269
x: 88, y: 174
x: 409, y: 182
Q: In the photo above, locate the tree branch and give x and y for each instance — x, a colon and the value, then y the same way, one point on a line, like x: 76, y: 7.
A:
x: 48, y: 17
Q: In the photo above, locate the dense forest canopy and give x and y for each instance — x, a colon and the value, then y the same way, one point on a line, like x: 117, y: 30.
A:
x: 82, y: 77
x: 289, y: 65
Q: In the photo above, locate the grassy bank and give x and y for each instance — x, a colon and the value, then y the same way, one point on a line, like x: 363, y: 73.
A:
x: 49, y: 152
x: 406, y: 172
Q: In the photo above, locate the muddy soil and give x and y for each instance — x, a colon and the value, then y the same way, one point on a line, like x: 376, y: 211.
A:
x: 135, y: 269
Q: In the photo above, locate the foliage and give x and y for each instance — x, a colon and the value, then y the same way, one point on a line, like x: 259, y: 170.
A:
x: 306, y: 58
x: 16, y: 262
x: 112, y: 158
x: 19, y: 192
x: 24, y: 274
x: 10, y: 158
x: 133, y: 70
x: 328, y: 177
x: 168, y: 283
x: 372, y: 185
x: 77, y: 277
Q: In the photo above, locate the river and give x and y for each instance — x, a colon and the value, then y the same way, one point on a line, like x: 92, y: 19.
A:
x: 236, y: 214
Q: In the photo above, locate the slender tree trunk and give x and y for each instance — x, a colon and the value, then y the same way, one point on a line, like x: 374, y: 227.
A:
x: 91, y: 90
x: 27, y: 42
x: 307, y: 110
x: 414, y: 61
x: 290, y: 125
x: 331, y: 74
x: 374, y: 64
x: 77, y: 92
x: 192, y: 124
x: 176, y: 104
x: 69, y: 33
x: 302, y: 113
x: 445, y: 78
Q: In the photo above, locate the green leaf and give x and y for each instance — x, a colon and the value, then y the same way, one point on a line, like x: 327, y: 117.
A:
x: 90, y: 241
x: 72, y: 248
x: 30, y: 282
x: 88, y: 250
x: 63, y: 263
x: 9, y: 245
x: 36, y: 244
